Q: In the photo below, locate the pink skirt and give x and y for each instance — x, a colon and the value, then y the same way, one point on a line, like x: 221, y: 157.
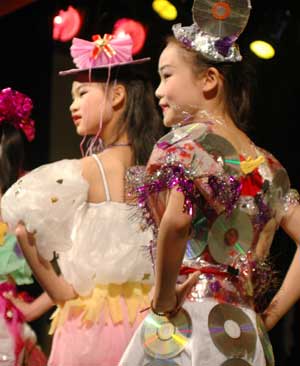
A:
x: 100, y: 344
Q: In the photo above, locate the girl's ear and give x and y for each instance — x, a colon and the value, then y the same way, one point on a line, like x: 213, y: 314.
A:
x: 119, y: 95
x: 211, y: 79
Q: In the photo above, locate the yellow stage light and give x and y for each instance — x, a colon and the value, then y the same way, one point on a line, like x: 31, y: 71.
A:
x: 165, y: 9
x: 262, y: 49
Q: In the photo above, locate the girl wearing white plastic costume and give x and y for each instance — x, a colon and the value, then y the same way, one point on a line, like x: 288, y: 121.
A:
x: 215, y: 200
x: 77, y: 209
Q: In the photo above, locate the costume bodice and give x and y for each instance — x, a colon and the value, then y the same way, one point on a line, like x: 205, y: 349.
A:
x: 95, y: 243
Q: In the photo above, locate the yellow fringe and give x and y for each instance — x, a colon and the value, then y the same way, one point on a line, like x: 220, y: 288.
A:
x: 107, y: 299
x: 248, y: 165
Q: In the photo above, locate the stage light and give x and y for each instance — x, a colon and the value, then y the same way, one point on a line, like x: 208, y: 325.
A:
x: 165, y: 9
x: 135, y: 29
x: 66, y: 24
x: 262, y: 49
x: 267, y: 44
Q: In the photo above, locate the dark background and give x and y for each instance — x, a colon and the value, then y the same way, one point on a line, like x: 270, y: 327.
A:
x: 30, y: 60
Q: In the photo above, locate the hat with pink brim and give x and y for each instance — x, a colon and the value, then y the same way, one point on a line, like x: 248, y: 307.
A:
x: 111, y: 51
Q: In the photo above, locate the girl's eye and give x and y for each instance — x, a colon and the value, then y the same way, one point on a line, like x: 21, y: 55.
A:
x: 82, y: 92
x: 166, y: 76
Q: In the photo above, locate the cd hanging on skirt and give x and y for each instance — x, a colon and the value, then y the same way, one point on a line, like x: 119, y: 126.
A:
x: 222, y: 151
x: 236, y: 362
x: 232, y: 331
x: 164, y: 337
x: 265, y: 341
x: 222, y: 18
x: 230, y: 237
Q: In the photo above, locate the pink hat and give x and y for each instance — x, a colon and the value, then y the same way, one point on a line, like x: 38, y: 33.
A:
x: 107, y: 52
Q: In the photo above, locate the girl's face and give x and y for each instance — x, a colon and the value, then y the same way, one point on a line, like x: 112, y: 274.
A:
x: 179, y: 90
x: 89, y: 106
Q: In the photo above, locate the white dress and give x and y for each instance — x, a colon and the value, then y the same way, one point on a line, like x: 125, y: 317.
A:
x: 101, y: 252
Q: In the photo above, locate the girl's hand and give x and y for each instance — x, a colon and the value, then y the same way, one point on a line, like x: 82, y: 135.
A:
x: 271, y: 316
x: 172, y: 304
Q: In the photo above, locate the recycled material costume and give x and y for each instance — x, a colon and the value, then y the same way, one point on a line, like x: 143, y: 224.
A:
x: 99, y: 248
x: 104, y: 265
x: 236, y: 203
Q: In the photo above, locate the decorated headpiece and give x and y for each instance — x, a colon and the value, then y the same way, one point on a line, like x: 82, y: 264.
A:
x: 15, y: 109
x: 217, y: 25
x: 101, y: 53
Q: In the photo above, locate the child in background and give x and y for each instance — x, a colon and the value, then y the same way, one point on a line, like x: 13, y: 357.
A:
x: 18, y: 341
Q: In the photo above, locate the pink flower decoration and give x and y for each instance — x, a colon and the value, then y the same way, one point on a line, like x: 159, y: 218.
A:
x: 15, y: 108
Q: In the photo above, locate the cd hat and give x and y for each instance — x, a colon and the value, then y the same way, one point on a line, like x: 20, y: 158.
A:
x: 217, y: 25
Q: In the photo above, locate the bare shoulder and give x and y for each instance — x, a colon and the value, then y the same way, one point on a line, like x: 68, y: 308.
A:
x: 113, y: 161
x: 88, y: 166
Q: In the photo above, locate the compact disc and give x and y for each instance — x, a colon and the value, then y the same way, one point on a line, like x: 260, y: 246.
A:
x: 236, y: 362
x: 194, y: 248
x: 230, y: 236
x: 197, y: 243
x: 265, y: 341
x: 221, y: 18
x: 162, y: 363
x: 164, y: 337
x: 192, y: 130
x: 222, y: 151
x: 279, y: 186
x: 232, y: 331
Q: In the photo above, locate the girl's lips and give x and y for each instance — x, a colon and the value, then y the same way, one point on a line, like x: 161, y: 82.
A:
x: 75, y: 119
x: 164, y: 107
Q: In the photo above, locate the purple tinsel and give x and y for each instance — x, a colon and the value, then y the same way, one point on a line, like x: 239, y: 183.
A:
x: 264, y: 212
x: 169, y: 177
x: 226, y: 190
x: 223, y: 45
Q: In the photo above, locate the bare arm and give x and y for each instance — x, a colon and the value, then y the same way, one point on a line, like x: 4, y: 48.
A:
x: 172, y: 238
x: 56, y: 287
x: 289, y: 292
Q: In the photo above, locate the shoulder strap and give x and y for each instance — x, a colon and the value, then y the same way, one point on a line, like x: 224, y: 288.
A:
x: 98, y: 161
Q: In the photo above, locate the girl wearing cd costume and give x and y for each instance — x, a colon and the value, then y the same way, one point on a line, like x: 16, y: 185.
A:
x: 77, y: 209
x: 214, y: 200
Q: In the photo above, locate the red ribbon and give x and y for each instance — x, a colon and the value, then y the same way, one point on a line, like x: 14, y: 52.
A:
x: 102, y: 44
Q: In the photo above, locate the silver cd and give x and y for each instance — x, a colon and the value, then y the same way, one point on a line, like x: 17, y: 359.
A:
x: 221, y: 18
x: 232, y: 331
x: 230, y: 236
x: 222, y: 151
x: 279, y: 186
x: 164, y: 338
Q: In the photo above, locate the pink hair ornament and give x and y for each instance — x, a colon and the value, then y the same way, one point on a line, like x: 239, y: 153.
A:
x: 15, y: 109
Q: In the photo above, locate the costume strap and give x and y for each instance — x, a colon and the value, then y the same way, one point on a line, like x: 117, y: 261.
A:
x: 101, y: 169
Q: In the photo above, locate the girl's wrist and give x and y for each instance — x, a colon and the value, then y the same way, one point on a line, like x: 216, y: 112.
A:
x: 166, y: 306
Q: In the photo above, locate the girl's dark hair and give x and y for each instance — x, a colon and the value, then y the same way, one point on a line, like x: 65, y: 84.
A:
x: 11, y: 155
x: 140, y: 118
x: 239, y: 80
